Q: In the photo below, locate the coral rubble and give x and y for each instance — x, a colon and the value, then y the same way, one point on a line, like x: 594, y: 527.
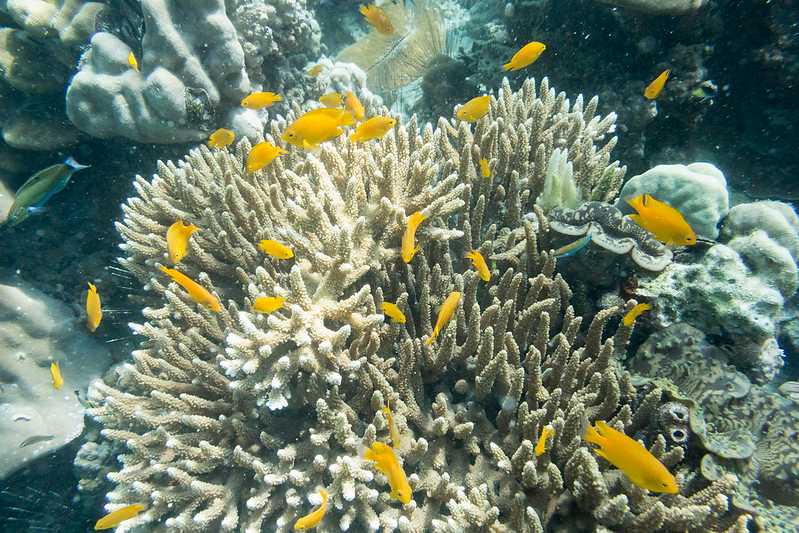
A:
x: 233, y: 420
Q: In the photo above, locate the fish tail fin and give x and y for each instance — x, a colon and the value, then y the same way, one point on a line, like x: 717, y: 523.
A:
x: 592, y: 435
x: 346, y: 119
x: 70, y: 162
x: 507, y: 66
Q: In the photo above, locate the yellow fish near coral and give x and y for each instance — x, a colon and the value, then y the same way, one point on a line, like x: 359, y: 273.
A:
x: 446, y: 312
x: 629, y: 456
x: 661, y: 220
x: 132, y: 63
x: 526, y: 56
x: 198, y: 293
x: 541, y: 446
x: 177, y: 240
x: 221, y: 138
x: 262, y: 154
x: 393, y: 312
x: 94, y: 310
x: 485, y: 170
x: 374, y: 128
x: 55, y: 374
x: 377, y: 18
x: 331, y: 99
x: 479, y: 264
x: 275, y: 249
x: 315, y: 70
x: 653, y: 89
x: 409, y: 246
x: 392, y: 428
x: 387, y: 463
x: 114, y: 518
x: 268, y: 304
x: 631, y: 316
x: 317, y: 126
x: 354, y: 105
x: 260, y: 100
x: 474, y: 109
x: 313, y: 518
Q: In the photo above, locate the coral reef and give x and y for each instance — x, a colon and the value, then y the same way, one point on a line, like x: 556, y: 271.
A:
x: 230, y: 420
x: 746, y: 429
x: 613, y: 232
x: 278, y: 39
x: 698, y: 191
x: 190, y: 73
x: 35, y: 330
x: 717, y: 293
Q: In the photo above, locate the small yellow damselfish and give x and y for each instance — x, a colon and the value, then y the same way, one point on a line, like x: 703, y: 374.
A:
x: 393, y: 312
x: 313, y: 518
x: 386, y: 462
x: 526, y: 56
x: 474, y: 109
x: 94, y: 309
x: 446, y: 312
x: 114, y: 518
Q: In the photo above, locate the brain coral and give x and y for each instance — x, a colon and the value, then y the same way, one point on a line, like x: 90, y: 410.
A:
x: 234, y: 420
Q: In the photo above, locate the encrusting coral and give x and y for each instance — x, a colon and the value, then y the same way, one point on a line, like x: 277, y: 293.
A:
x: 235, y: 420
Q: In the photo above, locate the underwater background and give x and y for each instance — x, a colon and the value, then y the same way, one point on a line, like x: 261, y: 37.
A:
x: 394, y: 267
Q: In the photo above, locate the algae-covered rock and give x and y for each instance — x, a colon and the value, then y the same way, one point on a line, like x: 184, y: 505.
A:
x: 718, y: 294
x: 746, y: 429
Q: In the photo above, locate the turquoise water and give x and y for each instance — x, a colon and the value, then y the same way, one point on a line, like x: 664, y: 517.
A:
x: 552, y: 261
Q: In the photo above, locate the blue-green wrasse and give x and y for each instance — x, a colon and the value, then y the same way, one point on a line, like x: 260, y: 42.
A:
x: 573, y: 247
x: 34, y: 193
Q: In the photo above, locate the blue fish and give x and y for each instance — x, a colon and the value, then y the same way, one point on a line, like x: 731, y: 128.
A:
x: 34, y: 193
x: 573, y: 247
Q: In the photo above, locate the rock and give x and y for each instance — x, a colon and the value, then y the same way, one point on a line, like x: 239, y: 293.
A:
x: 42, y: 132
x: 6, y: 198
x: 21, y: 60
x: 659, y: 7
x: 35, y: 330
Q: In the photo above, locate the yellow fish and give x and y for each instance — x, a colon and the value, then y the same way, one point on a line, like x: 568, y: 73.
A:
x: 268, y: 304
x: 331, y: 99
x: 387, y: 463
x: 526, y: 56
x: 653, y: 89
x: 313, y: 518
x: 377, y: 18
x: 479, y: 264
x: 354, y: 105
x: 446, y: 312
x: 177, y: 240
x: 392, y: 428
x: 94, y: 310
x: 114, y: 518
x: 197, y: 292
x: 262, y: 154
x: 55, y: 373
x: 541, y: 446
x: 374, y: 128
x: 661, y: 220
x: 315, y: 70
x: 221, y: 138
x: 316, y: 127
x: 474, y: 109
x: 132, y: 63
x: 275, y: 249
x: 409, y: 246
x: 629, y: 456
x: 393, y: 312
x: 260, y: 100
x: 485, y: 170
x: 634, y: 313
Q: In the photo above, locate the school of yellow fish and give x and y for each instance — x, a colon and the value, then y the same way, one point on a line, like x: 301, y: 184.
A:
x: 327, y: 123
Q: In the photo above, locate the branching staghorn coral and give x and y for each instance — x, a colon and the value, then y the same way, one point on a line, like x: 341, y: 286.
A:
x: 232, y: 420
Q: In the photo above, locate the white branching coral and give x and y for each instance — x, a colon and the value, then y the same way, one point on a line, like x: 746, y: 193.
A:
x: 232, y: 420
